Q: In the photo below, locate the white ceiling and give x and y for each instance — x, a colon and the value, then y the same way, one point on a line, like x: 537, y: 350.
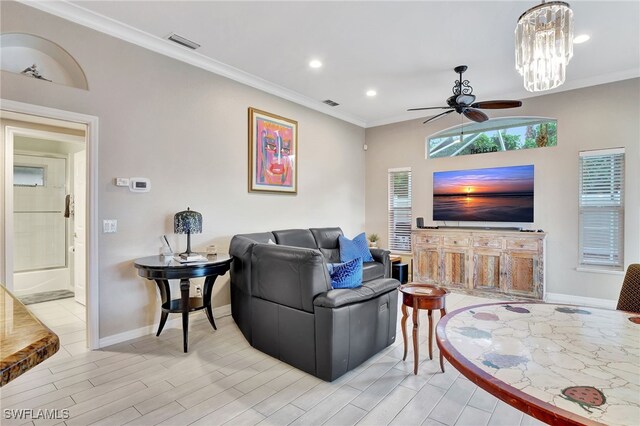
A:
x: 404, y: 50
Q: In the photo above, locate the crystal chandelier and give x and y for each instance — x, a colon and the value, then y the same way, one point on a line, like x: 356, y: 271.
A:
x: 544, y: 45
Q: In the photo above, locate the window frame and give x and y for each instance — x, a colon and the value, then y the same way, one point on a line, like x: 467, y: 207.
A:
x: 461, y: 136
x: 42, y: 168
x: 395, y: 212
x: 613, y: 204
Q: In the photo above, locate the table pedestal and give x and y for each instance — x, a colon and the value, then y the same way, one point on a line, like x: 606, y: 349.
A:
x: 419, y: 297
x: 185, y: 304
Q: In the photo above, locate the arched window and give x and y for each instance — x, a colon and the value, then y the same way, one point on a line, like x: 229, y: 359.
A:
x: 497, y: 134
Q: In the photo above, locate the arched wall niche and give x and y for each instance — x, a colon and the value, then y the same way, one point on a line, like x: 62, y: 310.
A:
x: 20, y: 51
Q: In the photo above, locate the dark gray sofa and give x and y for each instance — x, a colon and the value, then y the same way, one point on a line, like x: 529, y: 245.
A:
x: 282, y: 301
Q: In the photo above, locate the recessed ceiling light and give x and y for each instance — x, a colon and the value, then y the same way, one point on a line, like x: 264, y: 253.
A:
x: 581, y: 38
x: 315, y: 64
x: 371, y: 93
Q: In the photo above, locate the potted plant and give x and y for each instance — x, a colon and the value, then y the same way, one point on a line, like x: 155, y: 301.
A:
x: 373, y: 240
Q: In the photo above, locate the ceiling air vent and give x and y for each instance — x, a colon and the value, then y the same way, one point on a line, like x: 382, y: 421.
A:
x: 330, y: 102
x: 183, y: 41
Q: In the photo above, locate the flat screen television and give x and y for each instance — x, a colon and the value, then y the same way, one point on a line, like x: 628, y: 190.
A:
x: 499, y: 194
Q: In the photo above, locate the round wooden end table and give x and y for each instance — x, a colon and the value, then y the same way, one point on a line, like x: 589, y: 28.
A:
x: 429, y: 298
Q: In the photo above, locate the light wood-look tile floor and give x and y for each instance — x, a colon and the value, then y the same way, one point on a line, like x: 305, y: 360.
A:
x: 222, y: 380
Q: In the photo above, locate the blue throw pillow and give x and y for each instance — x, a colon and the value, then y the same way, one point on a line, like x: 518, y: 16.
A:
x: 346, y: 275
x: 351, y: 249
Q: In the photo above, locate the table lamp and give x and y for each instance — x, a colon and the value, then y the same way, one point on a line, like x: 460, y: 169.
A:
x: 187, y: 222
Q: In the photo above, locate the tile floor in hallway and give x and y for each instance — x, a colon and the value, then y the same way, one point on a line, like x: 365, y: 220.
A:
x: 66, y: 318
x: 222, y: 380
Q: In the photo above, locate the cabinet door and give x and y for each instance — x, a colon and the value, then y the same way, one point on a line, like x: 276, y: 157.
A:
x: 487, y: 270
x: 522, y: 275
x: 454, y: 268
x: 427, y: 264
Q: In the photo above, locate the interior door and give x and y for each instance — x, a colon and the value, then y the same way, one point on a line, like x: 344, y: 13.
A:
x: 79, y: 226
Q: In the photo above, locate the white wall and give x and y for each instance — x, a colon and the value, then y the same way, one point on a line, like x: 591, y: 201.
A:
x: 186, y: 130
x: 592, y: 118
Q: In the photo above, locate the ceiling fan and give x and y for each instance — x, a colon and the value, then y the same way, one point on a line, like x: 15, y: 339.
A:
x: 462, y: 101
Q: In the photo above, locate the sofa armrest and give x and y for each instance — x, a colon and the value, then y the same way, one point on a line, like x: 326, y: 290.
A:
x: 382, y: 256
x: 286, y: 275
x: 347, y: 296
x: 240, y: 248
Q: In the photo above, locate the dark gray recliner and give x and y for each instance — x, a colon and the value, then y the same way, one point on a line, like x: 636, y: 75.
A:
x: 283, y: 302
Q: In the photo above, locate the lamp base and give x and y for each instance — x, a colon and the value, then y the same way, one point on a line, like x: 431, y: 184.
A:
x: 188, y: 253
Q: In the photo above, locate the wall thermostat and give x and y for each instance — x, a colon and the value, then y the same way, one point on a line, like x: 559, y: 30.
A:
x: 138, y: 184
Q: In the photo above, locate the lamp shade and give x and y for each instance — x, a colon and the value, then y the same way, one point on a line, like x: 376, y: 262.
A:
x: 187, y: 222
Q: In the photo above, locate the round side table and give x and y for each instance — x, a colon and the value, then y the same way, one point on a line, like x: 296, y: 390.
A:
x: 421, y: 296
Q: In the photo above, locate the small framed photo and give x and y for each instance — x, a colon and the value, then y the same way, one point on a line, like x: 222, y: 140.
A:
x: 273, y: 152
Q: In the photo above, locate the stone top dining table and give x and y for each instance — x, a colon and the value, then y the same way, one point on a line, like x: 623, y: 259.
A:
x: 24, y: 340
x: 561, y: 364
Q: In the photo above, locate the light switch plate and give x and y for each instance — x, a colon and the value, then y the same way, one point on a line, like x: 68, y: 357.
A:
x: 122, y: 181
x: 109, y: 226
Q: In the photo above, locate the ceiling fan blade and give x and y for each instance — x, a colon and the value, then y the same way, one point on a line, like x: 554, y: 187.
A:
x: 497, y: 104
x: 437, y: 116
x: 475, y: 115
x: 420, y: 109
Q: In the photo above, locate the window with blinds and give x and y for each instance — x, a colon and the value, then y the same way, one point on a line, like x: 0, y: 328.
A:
x: 602, y: 208
x: 400, y: 210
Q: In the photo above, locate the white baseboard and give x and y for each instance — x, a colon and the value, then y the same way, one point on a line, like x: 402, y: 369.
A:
x: 580, y: 300
x: 221, y: 311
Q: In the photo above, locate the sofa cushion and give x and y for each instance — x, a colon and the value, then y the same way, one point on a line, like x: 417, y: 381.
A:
x: 372, y: 271
x: 331, y: 255
x: 369, y: 290
x: 257, y: 237
x: 290, y: 276
x: 346, y: 275
x: 295, y: 237
x: 358, y: 247
x: 326, y: 238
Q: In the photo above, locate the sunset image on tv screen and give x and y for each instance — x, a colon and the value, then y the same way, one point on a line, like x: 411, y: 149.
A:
x: 499, y: 194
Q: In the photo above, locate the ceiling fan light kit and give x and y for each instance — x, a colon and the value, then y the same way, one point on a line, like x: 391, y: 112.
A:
x: 544, y: 45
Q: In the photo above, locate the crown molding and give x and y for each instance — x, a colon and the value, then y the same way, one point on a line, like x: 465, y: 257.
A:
x: 582, y: 83
x: 75, y: 13
x: 95, y: 21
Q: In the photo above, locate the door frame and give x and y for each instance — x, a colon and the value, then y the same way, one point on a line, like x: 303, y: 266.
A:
x: 91, y: 150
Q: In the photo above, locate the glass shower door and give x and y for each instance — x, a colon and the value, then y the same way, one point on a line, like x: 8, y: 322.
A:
x: 40, y: 240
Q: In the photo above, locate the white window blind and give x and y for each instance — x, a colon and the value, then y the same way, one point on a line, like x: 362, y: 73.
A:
x: 400, y: 209
x: 602, y: 208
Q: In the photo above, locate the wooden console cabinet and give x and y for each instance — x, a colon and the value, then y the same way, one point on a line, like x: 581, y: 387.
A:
x: 481, y: 261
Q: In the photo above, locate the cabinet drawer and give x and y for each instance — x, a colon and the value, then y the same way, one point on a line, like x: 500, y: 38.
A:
x: 487, y: 242
x: 522, y: 244
x: 427, y: 239
x: 456, y: 241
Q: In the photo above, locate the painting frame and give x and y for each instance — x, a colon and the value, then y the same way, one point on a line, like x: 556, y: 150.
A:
x: 273, y: 153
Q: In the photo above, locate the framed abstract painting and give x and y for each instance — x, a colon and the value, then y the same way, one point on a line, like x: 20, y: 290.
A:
x: 273, y: 152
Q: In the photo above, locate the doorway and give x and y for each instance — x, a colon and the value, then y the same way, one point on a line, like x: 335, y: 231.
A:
x: 49, y: 216
x: 48, y: 210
